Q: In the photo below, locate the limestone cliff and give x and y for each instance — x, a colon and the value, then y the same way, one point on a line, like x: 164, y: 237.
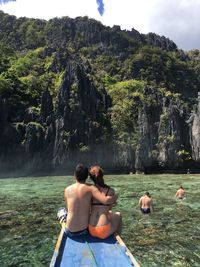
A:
x: 57, y: 107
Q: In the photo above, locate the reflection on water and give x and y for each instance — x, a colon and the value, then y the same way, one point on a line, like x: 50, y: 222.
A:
x: 168, y: 237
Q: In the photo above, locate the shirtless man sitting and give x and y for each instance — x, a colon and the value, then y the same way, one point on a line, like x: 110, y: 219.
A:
x: 146, y: 204
x: 78, y: 198
x: 180, y: 194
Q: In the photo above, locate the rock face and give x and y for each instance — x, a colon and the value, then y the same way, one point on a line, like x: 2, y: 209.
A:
x: 160, y: 41
x: 62, y: 135
x: 73, y: 130
x: 80, y: 110
x: 74, y: 60
x: 77, y: 128
x: 164, y: 135
x: 146, y: 145
x: 194, y: 130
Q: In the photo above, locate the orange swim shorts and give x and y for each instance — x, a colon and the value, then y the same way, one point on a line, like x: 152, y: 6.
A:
x: 100, y: 231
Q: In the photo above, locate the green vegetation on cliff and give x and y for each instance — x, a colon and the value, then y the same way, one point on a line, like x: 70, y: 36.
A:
x: 96, y: 83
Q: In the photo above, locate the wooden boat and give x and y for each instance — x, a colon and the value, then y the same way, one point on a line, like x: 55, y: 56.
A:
x: 87, y: 251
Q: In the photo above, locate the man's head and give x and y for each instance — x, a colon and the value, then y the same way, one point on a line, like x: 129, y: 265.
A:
x: 81, y: 173
x: 147, y: 194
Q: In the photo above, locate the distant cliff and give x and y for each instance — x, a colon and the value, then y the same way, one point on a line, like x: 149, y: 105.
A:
x: 73, y: 90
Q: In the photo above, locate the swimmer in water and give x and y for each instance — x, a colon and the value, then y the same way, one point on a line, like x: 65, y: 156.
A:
x: 146, y: 203
x: 180, y: 193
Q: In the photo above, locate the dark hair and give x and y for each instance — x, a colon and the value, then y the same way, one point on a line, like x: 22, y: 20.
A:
x: 96, y: 175
x: 147, y: 194
x: 81, y: 173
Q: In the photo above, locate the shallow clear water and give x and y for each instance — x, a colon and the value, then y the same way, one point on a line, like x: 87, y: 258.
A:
x: 168, y: 237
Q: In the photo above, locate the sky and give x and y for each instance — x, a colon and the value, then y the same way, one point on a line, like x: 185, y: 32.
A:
x: 178, y: 20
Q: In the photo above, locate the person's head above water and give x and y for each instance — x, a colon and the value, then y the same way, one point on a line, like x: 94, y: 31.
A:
x: 147, y: 194
x: 81, y: 173
x: 96, y: 175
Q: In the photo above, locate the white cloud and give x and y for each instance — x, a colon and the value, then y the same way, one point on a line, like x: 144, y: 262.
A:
x: 49, y: 8
x: 179, y: 20
x: 127, y: 13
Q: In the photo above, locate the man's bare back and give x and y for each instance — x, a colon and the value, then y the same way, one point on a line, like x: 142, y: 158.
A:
x: 181, y: 193
x: 77, y: 197
x: 145, y: 203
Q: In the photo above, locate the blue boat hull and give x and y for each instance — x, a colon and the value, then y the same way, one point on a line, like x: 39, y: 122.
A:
x: 87, y: 251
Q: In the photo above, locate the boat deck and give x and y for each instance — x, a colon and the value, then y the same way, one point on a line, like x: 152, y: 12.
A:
x: 87, y: 251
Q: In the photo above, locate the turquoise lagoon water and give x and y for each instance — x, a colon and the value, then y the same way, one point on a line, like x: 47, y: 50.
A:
x: 168, y: 237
